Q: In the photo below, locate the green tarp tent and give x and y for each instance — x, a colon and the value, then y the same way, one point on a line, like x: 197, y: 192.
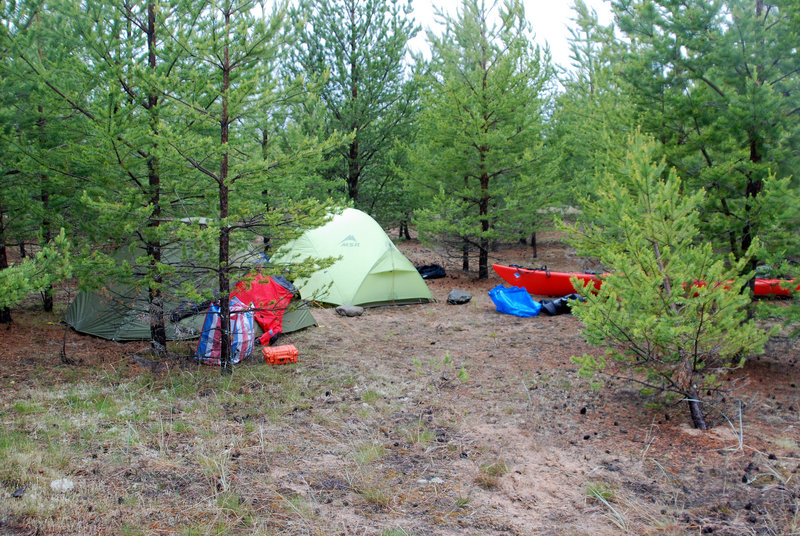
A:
x: 370, y: 272
x: 119, y: 312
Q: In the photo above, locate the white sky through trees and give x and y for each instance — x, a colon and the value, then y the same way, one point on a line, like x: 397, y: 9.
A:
x: 550, y: 20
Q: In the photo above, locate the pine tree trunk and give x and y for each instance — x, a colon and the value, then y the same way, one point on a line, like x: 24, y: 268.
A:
x: 403, y: 233
x: 47, y: 235
x: 533, y: 245
x: 698, y: 419
x: 483, y: 260
x: 158, y: 331
x: 354, y: 166
x: 5, y: 312
x: 685, y: 382
x: 155, y: 299
x: 47, y: 232
x: 483, y: 254
x: 465, y: 256
x: 353, y: 172
x: 224, y: 233
x: 224, y: 284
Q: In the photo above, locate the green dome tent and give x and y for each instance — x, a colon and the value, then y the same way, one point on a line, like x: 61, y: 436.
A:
x: 370, y: 272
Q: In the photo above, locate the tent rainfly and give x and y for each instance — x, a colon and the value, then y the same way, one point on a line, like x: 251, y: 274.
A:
x: 370, y: 272
x: 119, y: 312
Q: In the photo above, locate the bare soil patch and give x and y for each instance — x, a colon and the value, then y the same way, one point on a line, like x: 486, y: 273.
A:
x: 430, y: 419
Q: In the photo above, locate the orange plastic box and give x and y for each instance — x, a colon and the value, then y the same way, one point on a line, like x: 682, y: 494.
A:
x: 280, y: 355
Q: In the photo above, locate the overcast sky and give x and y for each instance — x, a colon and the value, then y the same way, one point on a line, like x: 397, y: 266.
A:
x: 549, y: 18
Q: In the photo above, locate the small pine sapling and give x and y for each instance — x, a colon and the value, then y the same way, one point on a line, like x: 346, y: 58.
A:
x: 671, y: 309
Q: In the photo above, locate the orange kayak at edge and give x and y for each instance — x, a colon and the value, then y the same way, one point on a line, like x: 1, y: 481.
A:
x: 543, y: 282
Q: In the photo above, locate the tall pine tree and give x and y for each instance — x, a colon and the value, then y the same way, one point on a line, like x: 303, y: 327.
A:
x: 225, y: 104
x: 591, y: 118
x: 357, y: 50
x: 480, y: 130
x: 717, y: 84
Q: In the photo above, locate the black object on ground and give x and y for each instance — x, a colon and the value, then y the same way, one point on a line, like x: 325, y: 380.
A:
x: 560, y: 306
x: 458, y: 297
x: 431, y: 271
x: 349, y: 310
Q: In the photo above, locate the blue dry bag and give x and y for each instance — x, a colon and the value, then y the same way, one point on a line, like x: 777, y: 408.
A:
x: 514, y: 301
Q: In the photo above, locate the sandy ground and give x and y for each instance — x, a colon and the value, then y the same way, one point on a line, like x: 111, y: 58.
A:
x: 481, y: 426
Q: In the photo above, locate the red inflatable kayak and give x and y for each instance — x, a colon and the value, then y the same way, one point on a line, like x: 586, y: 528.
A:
x: 544, y: 282
x: 772, y: 287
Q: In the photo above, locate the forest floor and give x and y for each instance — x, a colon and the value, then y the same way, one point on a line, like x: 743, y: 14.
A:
x: 430, y: 419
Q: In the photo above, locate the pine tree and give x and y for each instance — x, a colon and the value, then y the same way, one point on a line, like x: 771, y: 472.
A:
x: 480, y: 130
x: 110, y: 159
x: 671, y: 308
x: 717, y: 84
x: 357, y: 50
x: 592, y: 119
x: 34, y: 200
x: 230, y: 98
x: 37, y: 273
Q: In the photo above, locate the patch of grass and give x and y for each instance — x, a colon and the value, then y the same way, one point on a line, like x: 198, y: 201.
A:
x: 216, y: 468
x: 369, y: 453
x: 461, y: 502
x: 233, y: 504
x: 487, y: 482
x: 347, y: 382
x: 11, y: 440
x: 489, y: 477
x: 376, y: 494
x: 26, y: 407
x: 564, y: 384
x: 195, y: 530
x: 132, y: 438
x: 417, y: 434
x: 180, y: 427
x: 599, y: 491
x: 182, y: 385
x: 395, y: 532
x: 206, y: 529
x: 497, y: 468
x: 128, y: 529
x: 300, y: 506
x: 20, y: 459
x: 131, y: 499
x: 436, y: 366
x: 786, y: 443
x: 370, y: 397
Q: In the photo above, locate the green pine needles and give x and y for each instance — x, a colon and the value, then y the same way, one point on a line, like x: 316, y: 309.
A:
x: 671, y: 308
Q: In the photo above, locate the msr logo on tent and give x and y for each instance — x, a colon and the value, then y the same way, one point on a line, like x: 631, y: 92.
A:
x: 349, y: 242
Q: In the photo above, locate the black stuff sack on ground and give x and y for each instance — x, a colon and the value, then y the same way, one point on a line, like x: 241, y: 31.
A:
x: 431, y: 271
x: 560, y: 306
